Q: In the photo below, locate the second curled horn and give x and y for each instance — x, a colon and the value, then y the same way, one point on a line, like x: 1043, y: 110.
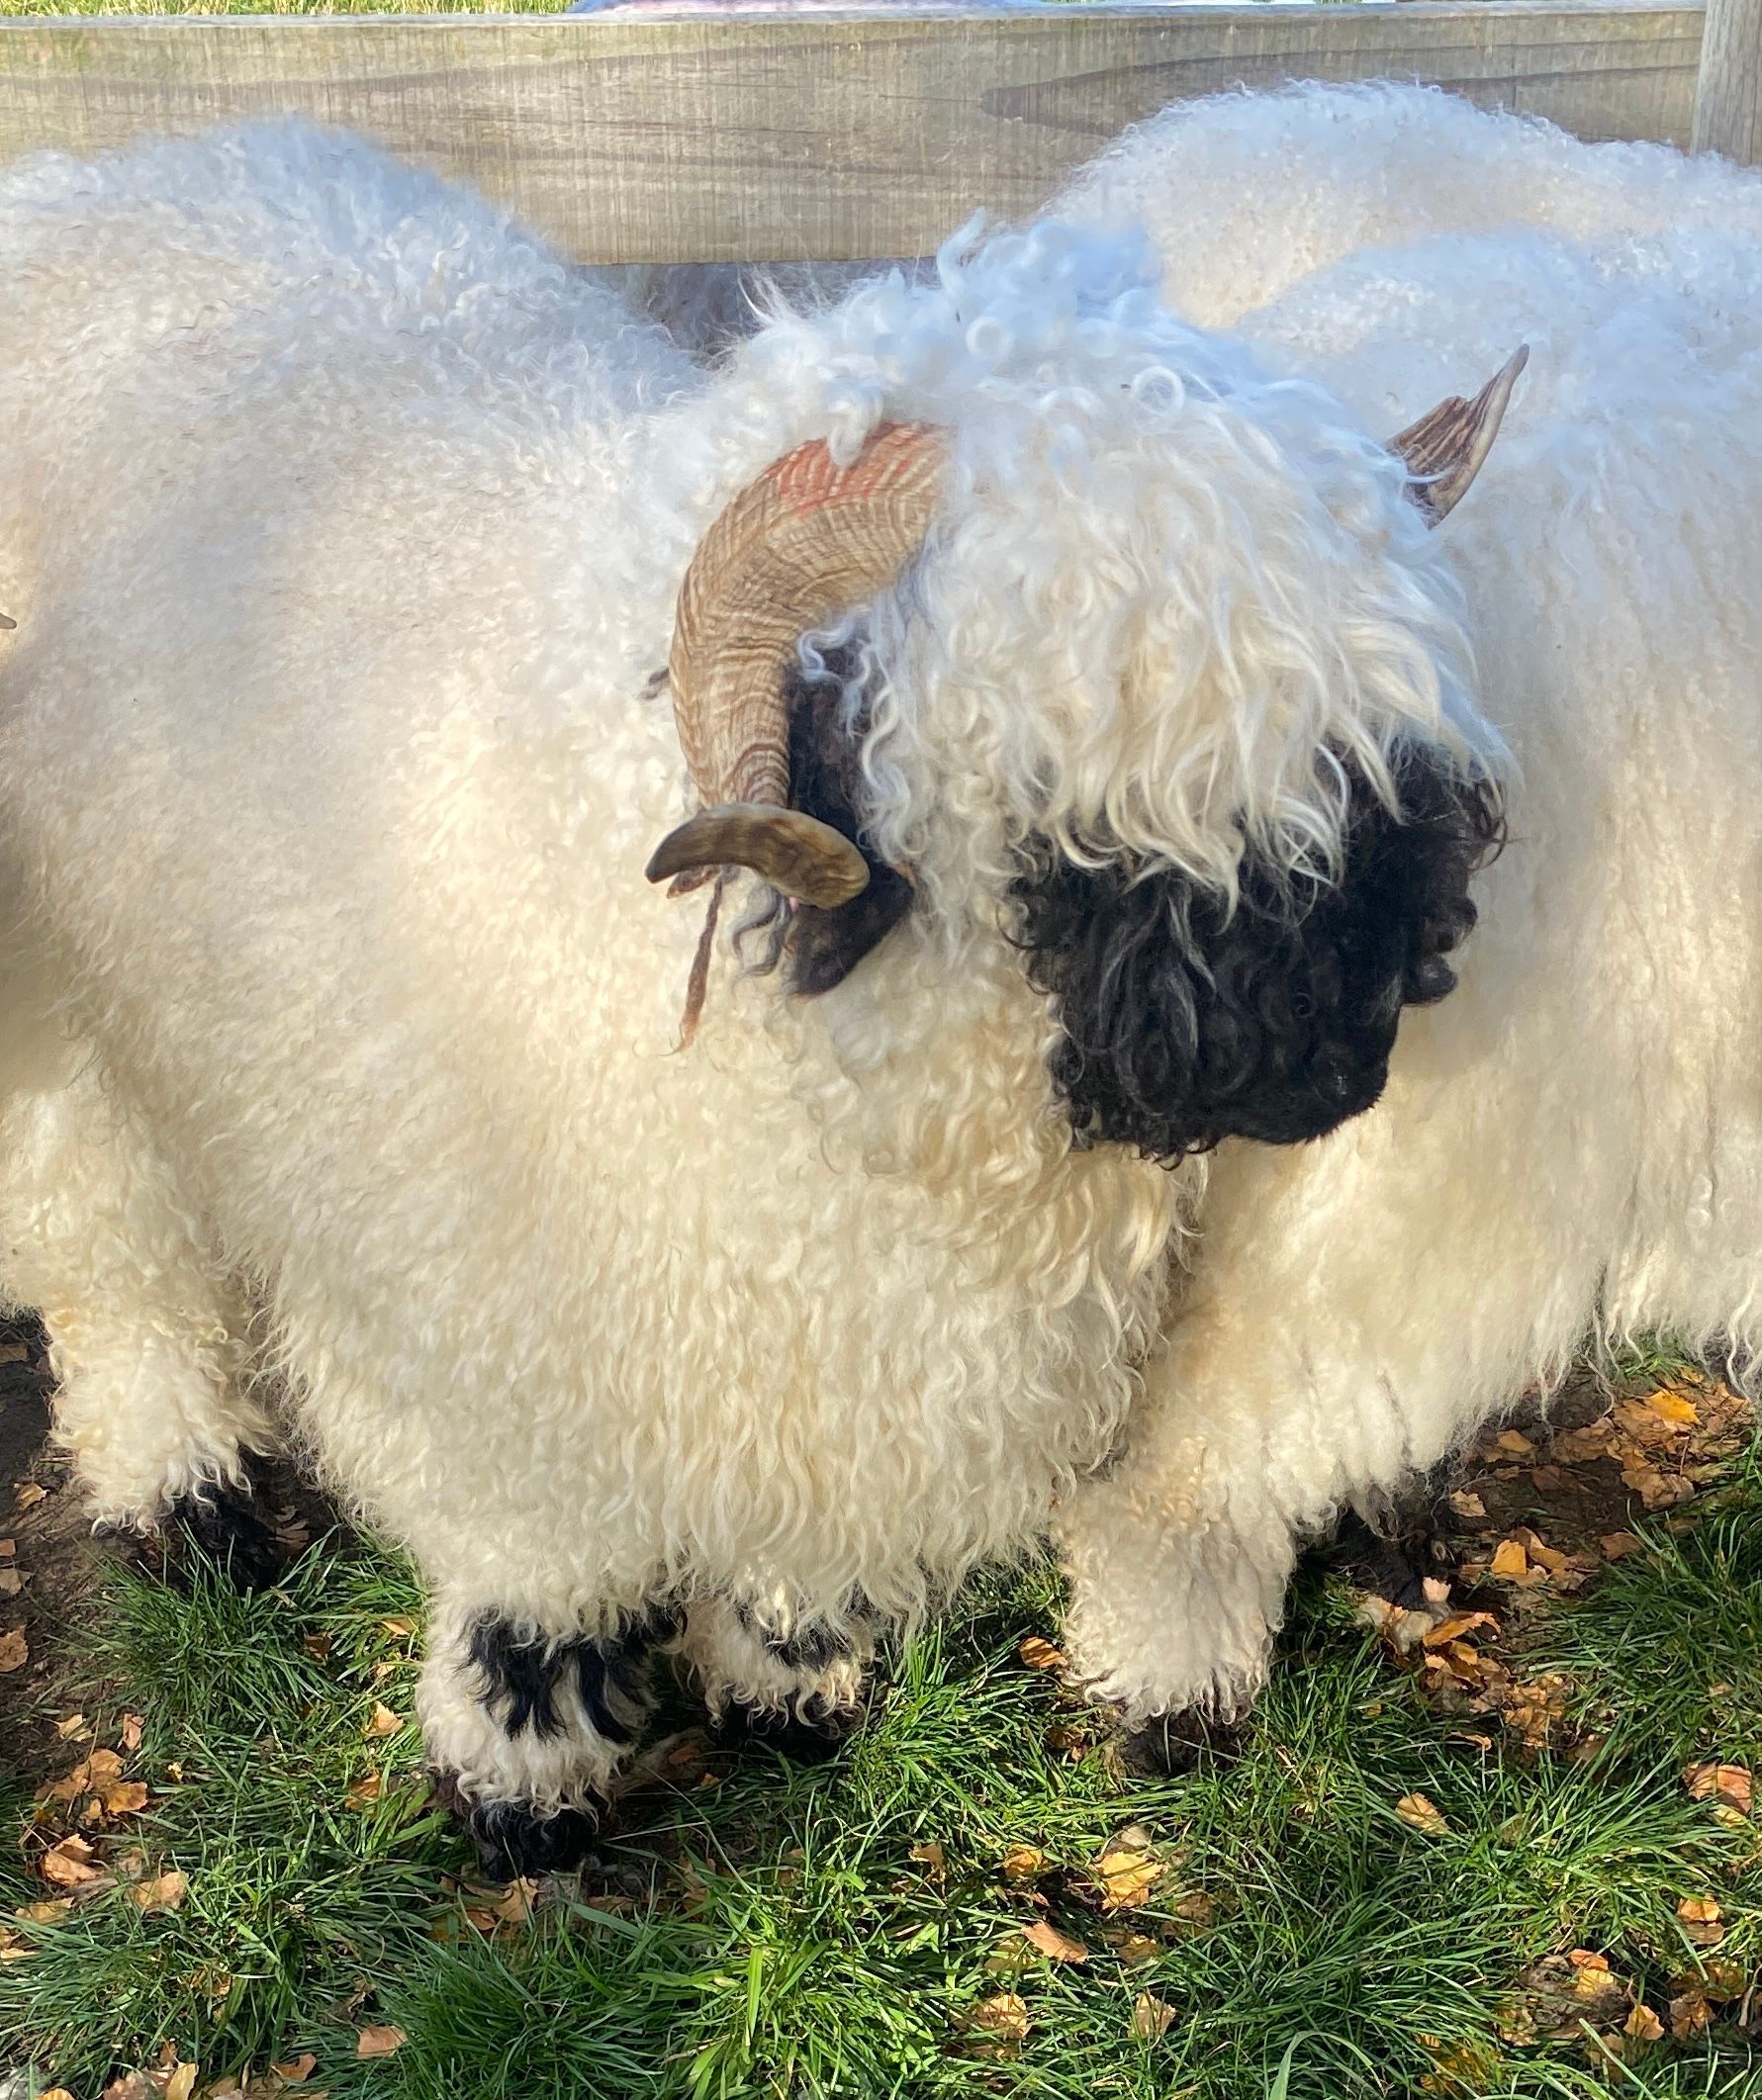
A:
x: 800, y: 544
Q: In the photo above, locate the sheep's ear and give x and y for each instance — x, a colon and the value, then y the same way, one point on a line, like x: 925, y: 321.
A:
x: 1443, y: 451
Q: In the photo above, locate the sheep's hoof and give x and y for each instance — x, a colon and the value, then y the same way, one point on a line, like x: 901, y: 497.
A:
x: 1168, y: 1745
x: 516, y: 1841
x: 222, y: 1524
x: 808, y: 1734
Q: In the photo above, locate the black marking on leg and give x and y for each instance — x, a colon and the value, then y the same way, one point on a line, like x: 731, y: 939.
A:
x: 520, y: 1677
x: 513, y: 1839
x: 809, y: 1644
x: 1170, y: 1745
x: 808, y: 1733
x: 1395, y: 1567
x: 225, y: 1524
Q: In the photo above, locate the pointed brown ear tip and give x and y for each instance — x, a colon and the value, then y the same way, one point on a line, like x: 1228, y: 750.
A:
x: 795, y: 853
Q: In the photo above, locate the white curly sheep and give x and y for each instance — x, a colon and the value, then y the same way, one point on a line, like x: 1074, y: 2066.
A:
x: 343, y: 531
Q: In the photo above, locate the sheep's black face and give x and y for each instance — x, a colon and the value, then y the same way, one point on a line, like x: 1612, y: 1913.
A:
x: 1182, y: 1026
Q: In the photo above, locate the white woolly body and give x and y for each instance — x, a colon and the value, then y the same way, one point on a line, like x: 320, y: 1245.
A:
x: 1573, y: 1139
x: 342, y: 530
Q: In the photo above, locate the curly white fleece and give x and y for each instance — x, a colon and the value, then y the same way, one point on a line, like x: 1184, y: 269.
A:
x: 342, y: 529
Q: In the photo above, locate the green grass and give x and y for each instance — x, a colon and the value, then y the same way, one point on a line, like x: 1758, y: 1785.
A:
x: 773, y: 1935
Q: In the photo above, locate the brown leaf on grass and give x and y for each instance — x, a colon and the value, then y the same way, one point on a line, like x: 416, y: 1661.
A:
x: 15, y: 1651
x: 1057, y: 1946
x: 164, y: 1892
x: 1004, y: 2016
x: 1152, y: 2016
x: 1558, y: 1995
x: 381, y: 1722
x: 126, y: 1798
x: 1729, y: 1784
x: 1699, y: 1921
x: 1135, y: 1949
x: 929, y: 1854
x: 1510, y: 1560
x: 318, y: 1646
x: 1688, y: 2013
x: 1539, y: 1551
x: 56, y: 2092
x: 8, y: 1547
x: 182, y: 2082
x: 51, y: 1912
x: 1467, y: 1505
x: 380, y: 2041
x: 1721, y: 1978
x: 1461, y: 2069
x: 1683, y: 1414
x: 400, y: 1628
x: 1023, y: 1863
x: 1459, y: 1623
x: 26, y: 1494
x: 74, y: 1728
x: 1423, y: 1813
x: 297, y: 2071
x: 68, y: 1865
x: 1643, y: 2025
x: 132, y: 1725
x: 1041, y: 1655
x: 1514, y: 1443
x: 10, y: 1582
x: 1127, y: 1875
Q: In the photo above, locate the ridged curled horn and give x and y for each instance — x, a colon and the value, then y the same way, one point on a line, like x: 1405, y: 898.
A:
x: 803, y: 542
x: 1446, y: 450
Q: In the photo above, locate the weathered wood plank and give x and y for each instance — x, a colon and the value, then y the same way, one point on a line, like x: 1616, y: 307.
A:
x: 1729, y: 99
x: 833, y: 137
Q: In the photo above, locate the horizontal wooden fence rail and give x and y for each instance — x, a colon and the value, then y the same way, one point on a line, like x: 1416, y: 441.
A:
x: 776, y: 137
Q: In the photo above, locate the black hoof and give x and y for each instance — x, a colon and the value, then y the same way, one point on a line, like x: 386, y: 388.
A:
x: 225, y: 1525
x: 516, y: 1841
x: 809, y: 1735
x: 1170, y: 1745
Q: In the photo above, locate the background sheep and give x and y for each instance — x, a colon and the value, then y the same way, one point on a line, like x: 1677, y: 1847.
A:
x: 344, y: 533
x: 1573, y: 1141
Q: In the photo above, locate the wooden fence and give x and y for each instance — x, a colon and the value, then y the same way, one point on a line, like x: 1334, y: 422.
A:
x: 854, y: 135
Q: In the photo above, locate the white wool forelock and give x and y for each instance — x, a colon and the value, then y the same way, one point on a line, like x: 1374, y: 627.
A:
x: 1211, y: 577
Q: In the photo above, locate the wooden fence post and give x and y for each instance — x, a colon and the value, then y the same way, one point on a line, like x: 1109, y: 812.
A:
x: 1728, y: 90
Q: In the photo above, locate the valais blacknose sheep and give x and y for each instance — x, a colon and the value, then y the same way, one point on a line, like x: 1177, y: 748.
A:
x: 1091, y: 703
x: 1572, y: 1141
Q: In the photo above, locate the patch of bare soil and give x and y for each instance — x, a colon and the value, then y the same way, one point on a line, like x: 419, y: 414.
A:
x: 1538, y: 1510
x: 49, y: 1563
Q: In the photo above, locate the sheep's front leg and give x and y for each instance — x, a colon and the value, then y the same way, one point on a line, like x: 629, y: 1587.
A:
x: 782, y: 1676
x: 153, y: 1396
x: 1357, y: 1306
x: 526, y: 1727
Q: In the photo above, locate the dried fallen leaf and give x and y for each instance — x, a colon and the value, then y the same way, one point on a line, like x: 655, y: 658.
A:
x: 1006, y: 2016
x: 49, y: 1913
x: 1127, y: 1876
x: 1698, y: 1918
x: 1151, y: 2016
x: 132, y: 1725
x: 400, y: 1628
x: 164, y: 1892
x: 1454, y: 1627
x: 1675, y: 1409
x: 1510, y: 1559
x: 1041, y: 1655
x: 297, y: 2071
x: 68, y: 1865
x: 931, y: 1855
x: 1513, y: 1442
x: 15, y: 1652
x: 1731, y: 1785
x: 382, y: 1721
x: 380, y: 2041
x: 26, y: 1494
x: 73, y: 1728
x: 126, y: 1798
x: 1643, y: 2025
x: 1423, y: 1813
x: 1023, y: 1863
x: 1057, y: 1946
x: 182, y: 2082
x: 10, y: 1582
x: 1466, y: 1505
x: 1688, y: 2013
x: 1137, y: 1948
